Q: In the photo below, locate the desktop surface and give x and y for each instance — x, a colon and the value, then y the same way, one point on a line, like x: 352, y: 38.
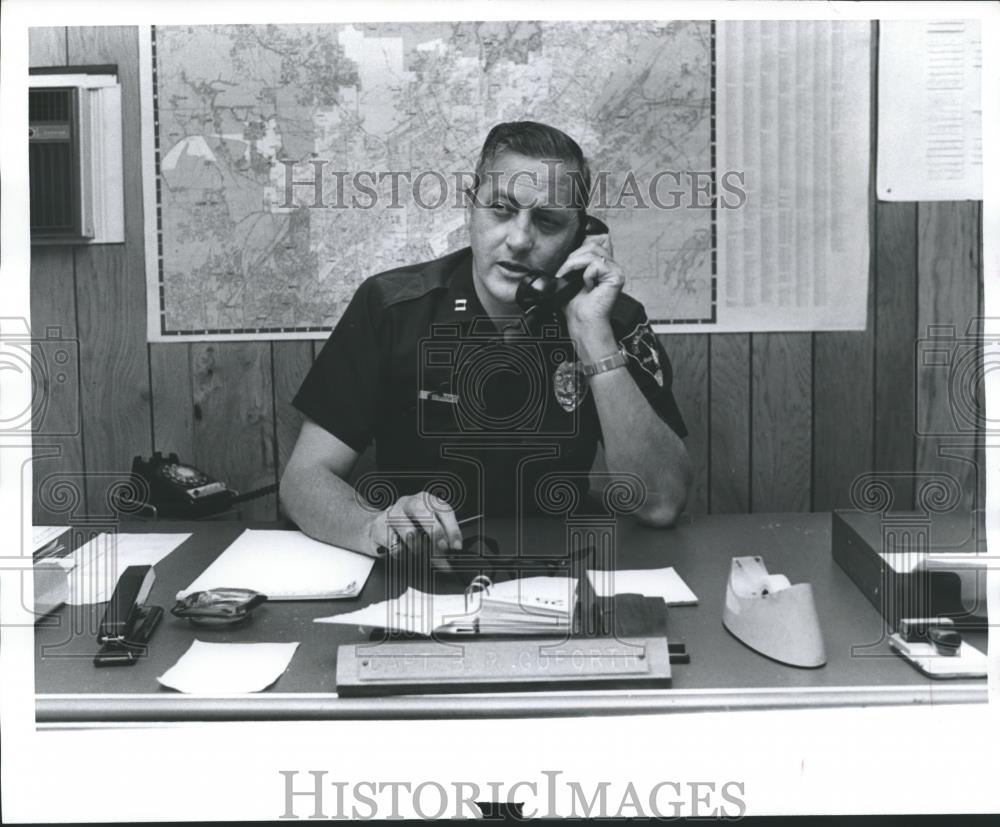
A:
x: 722, y: 673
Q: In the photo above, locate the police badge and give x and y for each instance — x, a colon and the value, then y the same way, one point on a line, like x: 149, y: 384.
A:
x: 568, y: 388
x: 640, y: 344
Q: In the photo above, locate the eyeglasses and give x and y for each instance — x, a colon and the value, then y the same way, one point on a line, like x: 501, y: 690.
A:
x: 218, y: 607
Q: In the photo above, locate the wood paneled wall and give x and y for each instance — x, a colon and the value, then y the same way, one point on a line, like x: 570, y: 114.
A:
x: 778, y: 422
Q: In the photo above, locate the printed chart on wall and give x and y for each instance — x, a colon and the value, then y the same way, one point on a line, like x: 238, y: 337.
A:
x: 930, y: 121
x: 285, y: 164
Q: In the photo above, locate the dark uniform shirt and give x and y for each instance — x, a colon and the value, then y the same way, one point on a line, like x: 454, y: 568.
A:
x: 474, y: 410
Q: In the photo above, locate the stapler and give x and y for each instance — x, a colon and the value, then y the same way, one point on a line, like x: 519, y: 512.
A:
x: 771, y: 616
x: 128, y: 623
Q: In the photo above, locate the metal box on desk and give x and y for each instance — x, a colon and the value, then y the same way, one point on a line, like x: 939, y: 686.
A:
x: 914, y: 564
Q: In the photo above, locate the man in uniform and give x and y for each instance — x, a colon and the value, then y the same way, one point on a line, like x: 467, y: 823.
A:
x: 469, y: 412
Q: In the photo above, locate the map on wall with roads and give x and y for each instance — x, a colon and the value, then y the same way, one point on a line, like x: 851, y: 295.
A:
x: 293, y: 161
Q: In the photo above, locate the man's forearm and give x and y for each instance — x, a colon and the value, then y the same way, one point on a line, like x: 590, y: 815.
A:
x: 326, y: 507
x: 636, y: 440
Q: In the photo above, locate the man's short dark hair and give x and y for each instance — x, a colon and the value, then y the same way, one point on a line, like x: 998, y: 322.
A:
x: 537, y: 140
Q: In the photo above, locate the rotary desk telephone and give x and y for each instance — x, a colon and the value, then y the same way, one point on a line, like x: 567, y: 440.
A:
x: 180, y: 491
x: 541, y: 296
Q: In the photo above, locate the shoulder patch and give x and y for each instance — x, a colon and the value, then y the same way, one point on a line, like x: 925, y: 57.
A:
x: 640, y: 345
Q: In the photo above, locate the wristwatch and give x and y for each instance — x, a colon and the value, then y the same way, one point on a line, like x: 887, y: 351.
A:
x: 615, y: 360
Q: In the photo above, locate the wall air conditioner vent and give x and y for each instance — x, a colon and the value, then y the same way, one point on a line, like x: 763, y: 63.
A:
x: 75, y: 157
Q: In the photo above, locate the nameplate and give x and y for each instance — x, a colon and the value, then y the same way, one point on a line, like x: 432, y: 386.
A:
x: 405, y: 667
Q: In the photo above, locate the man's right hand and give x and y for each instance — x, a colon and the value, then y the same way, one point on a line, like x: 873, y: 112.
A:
x: 413, y: 522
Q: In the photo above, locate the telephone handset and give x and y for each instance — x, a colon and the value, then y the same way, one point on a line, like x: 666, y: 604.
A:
x: 540, y: 295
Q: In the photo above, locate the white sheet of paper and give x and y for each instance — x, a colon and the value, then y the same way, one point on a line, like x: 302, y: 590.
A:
x: 908, y: 561
x: 413, y: 611
x: 665, y: 583
x: 99, y: 563
x: 42, y: 535
x: 904, y: 562
x: 228, y: 668
x: 286, y: 565
x: 930, y: 133
x: 969, y: 662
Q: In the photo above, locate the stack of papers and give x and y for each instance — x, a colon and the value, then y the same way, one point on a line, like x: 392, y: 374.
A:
x: 530, y: 605
x: 285, y: 565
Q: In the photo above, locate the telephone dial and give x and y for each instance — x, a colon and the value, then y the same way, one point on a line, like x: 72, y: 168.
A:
x: 541, y: 295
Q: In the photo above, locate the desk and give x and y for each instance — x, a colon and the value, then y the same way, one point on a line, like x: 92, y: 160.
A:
x: 723, y: 673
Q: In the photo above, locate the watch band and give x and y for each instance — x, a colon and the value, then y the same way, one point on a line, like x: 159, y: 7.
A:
x: 615, y: 360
